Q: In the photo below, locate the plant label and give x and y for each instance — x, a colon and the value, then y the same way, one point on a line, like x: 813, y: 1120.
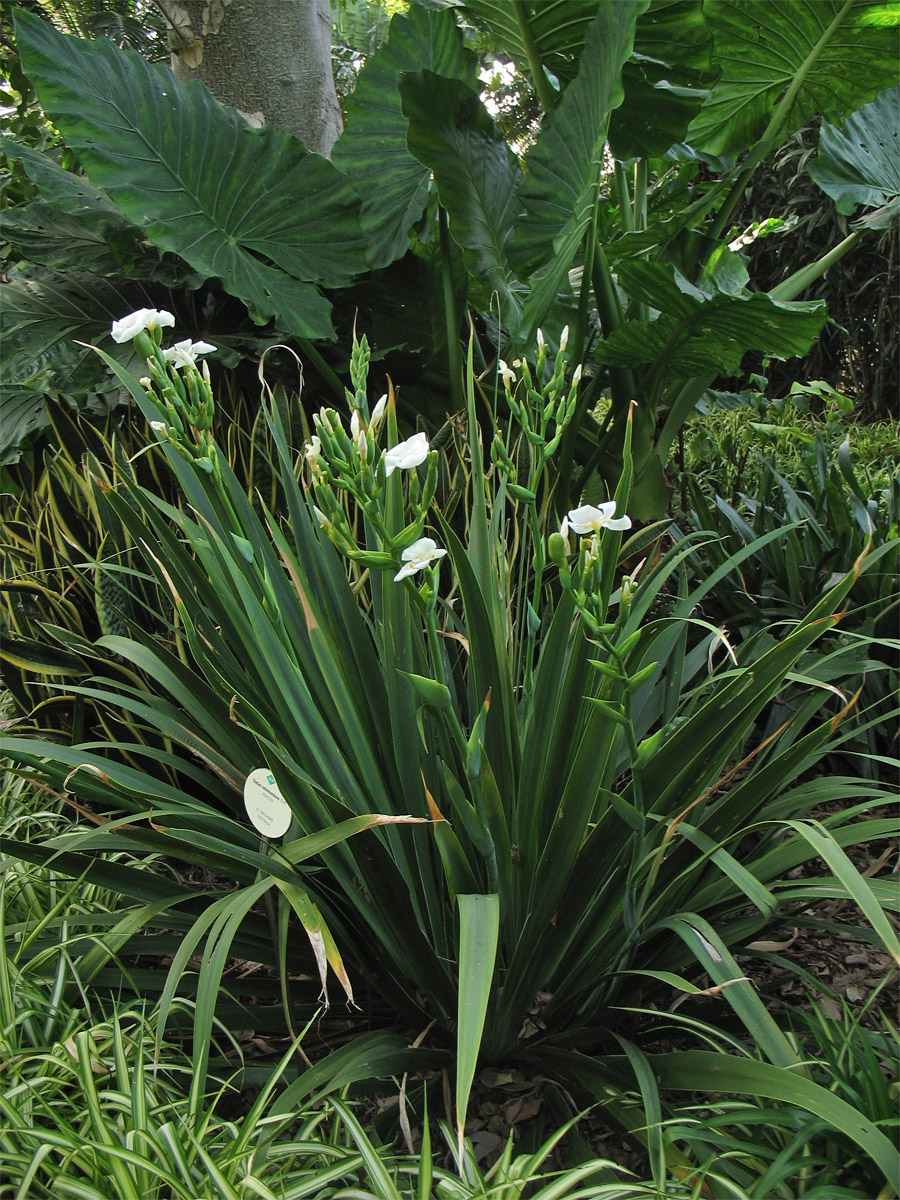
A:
x: 265, y: 805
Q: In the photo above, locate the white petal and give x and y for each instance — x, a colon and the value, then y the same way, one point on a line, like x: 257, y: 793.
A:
x: 583, y: 520
x: 423, y: 546
x: 406, y: 455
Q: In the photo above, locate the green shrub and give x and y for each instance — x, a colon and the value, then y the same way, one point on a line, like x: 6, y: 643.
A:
x: 513, y: 797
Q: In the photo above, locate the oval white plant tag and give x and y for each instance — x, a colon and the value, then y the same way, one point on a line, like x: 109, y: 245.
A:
x: 265, y: 805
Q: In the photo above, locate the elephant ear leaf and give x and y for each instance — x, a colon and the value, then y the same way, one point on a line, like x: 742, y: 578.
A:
x: 549, y: 32
x: 666, y: 80
x: 477, y: 175
x: 860, y: 162
x: 565, y: 165
x: 696, y: 333
x: 250, y: 207
x: 372, y: 149
x: 786, y: 61
x: 43, y: 319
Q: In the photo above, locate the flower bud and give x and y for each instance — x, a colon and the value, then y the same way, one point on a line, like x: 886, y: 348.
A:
x: 558, y: 549
x: 378, y: 411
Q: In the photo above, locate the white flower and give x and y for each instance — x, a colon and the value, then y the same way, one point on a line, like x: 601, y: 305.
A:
x: 145, y: 318
x: 418, y: 556
x: 407, y: 455
x: 509, y: 377
x: 184, y: 354
x: 312, y: 452
x: 160, y: 428
x: 576, y: 376
x: 354, y: 425
x: 589, y: 519
x: 362, y: 445
x: 321, y: 518
x: 564, y: 338
x: 540, y: 340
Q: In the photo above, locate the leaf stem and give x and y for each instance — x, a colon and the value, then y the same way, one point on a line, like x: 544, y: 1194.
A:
x: 538, y: 77
x: 454, y: 358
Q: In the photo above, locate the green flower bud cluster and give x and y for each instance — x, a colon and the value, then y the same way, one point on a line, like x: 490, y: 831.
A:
x: 542, y: 405
x: 350, y: 465
x: 360, y: 356
x: 184, y: 400
x: 589, y: 576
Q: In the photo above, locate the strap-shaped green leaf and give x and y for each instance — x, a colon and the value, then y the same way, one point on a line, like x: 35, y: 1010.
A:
x: 479, y: 925
x: 690, y: 1070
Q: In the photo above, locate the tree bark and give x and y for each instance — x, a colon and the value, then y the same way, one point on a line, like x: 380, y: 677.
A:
x: 271, y: 59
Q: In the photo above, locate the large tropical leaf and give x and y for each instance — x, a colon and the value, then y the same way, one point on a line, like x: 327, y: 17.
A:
x: 69, y: 193
x: 549, y: 32
x: 41, y: 320
x: 564, y: 166
x: 372, y: 149
x: 477, y: 175
x: 40, y: 233
x: 860, y: 162
x: 665, y: 80
x: 197, y: 179
x: 697, y: 333
x: 793, y: 53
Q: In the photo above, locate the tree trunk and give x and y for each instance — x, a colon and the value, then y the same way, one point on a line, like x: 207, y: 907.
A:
x: 271, y: 59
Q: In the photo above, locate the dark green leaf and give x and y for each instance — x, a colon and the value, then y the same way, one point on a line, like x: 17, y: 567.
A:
x: 860, y: 162
x: 477, y: 175
x: 555, y: 28
x: 666, y: 79
x: 697, y: 335
x: 765, y: 49
x: 372, y: 150
x: 565, y: 165
x: 72, y: 194
x: 693, y: 1069
x: 197, y: 179
x: 41, y: 234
